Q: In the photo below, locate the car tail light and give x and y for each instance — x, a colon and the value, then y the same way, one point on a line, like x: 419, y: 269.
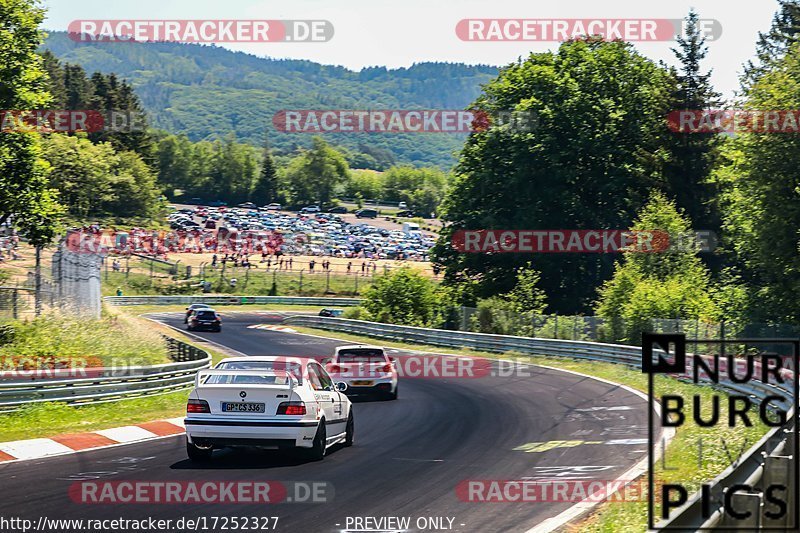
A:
x: 291, y: 408
x: 387, y: 368
x: 197, y: 406
x: 335, y: 369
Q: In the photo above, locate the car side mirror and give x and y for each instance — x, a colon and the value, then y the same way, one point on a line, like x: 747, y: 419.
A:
x: 341, y: 386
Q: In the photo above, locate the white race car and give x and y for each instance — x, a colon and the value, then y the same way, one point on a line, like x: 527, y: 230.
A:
x: 269, y: 402
x: 365, y: 369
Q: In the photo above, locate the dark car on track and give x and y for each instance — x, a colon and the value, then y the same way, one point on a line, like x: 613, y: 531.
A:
x: 194, y: 307
x: 329, y: 311
x: 338, y: 209
x: 204, y: 319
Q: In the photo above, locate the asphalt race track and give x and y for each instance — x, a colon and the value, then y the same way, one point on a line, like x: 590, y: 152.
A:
x: 407, y: 460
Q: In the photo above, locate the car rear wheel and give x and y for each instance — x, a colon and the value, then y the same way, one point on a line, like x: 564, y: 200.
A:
x: 317, y: 451
x: 393, y: 395
x: 349, y: 430
x: 198, y: 454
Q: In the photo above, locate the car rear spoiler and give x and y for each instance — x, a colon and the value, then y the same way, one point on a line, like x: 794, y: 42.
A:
x: 202, y: 374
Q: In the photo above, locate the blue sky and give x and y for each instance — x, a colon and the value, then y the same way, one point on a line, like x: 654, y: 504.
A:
x: 397, y: 34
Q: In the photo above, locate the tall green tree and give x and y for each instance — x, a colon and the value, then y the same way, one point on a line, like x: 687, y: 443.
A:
x: 693, y: 155
x: 56, y: 80
x: 78, y: 88
x: 404, y: 296
x: 175, y: 164
x: 266, y: 187
x: 589, y: 163
x: 25, y: 196
x: 422, y: 189
x: 93, y: 179
x: 671, y: 283
x: 773, y: 45
x: 314, y: 174
x: 761, y: 198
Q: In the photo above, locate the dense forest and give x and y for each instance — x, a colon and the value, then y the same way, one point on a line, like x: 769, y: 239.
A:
x: 208, y: 92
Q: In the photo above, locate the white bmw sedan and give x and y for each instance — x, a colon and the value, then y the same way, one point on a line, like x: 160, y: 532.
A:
x: 268, y: 402
x: 366, y: 370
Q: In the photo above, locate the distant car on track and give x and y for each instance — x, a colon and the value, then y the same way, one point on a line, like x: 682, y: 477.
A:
x: 338, y: 209
x: 247, y: 205
x: 329, y: 311
x: 366, y: 370
x: 204, y: 319
x: 272, y: 207
x: 191, y: 308
x: 310, y: 209
x: 269, y: 402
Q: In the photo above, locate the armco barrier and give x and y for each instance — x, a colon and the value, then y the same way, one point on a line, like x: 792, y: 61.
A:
x: 108, y: 384
x: 769, y: 460
x: 230, y: 300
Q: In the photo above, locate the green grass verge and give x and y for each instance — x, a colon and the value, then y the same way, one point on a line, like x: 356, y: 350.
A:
x: 50, y: 419
x: 681, y: 455
x: 52, y: 341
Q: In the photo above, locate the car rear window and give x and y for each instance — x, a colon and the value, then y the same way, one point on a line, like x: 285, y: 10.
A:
x: 362, y: 355
x: 278, y: 366
x: 206, y: 315
x: 234, y: 379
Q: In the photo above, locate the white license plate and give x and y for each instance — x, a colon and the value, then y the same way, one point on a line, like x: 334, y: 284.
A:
x: 242, y: 407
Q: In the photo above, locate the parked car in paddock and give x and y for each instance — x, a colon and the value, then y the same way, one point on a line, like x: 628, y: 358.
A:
x: 268, y: 402
x: 207, y: 319
x: 367, y: 213
x: 366, y: 369
x: 330, y: 311
x: 191, y: 308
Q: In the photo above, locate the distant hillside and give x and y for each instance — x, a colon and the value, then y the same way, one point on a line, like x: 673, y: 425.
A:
x: 207, y: 92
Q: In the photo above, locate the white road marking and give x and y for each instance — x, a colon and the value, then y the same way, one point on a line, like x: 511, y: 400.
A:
x: 33, y: 448
x: 126, y: 433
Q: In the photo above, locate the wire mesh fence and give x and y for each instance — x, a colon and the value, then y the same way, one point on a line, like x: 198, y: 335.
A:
x: 136, y: 275
x: 616, y: 330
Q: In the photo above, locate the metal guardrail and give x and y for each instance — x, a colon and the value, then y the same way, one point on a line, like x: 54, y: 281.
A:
x: 107, y: 384
x: 769, y: 461
x: 230, y: 300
